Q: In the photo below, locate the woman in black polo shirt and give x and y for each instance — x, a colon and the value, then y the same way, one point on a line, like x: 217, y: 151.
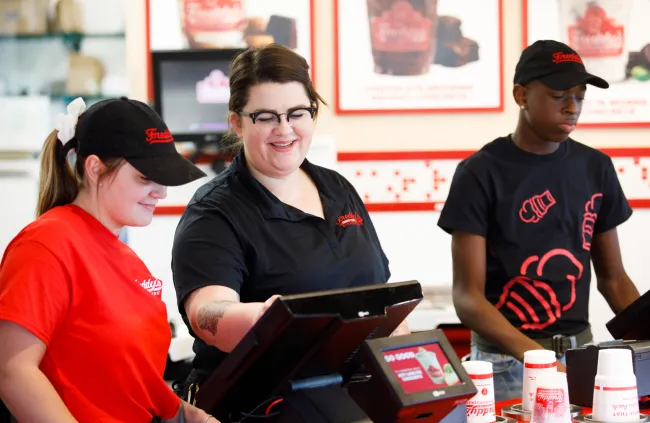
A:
x: 272, y: 223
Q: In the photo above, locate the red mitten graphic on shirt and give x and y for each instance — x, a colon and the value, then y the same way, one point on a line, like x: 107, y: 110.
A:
x: 536, y: 207
x: 534, y: 302
x: 589, y: 220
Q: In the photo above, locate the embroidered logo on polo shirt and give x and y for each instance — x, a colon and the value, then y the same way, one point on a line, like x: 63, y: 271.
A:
x: 153, y: 285
x: 350, y: 219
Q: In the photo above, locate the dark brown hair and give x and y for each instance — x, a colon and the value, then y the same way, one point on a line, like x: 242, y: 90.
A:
x: 272, y: 63
x: 59, y: 182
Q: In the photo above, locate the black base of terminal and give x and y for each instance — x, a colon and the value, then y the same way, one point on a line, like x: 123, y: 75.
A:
x: 334, y: 405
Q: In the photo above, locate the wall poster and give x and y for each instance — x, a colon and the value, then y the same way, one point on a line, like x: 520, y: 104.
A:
x: 406, y: 56
x: 613, y: 39
x: 198, y: 24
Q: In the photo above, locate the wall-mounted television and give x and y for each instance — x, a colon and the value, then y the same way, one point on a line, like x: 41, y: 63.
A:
x: 191, y: 92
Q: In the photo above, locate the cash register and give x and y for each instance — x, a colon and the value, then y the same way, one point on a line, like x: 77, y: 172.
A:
x: 630, y: 330
x: 327, y: 357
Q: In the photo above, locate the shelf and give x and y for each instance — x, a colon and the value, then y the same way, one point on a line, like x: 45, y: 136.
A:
x: 72, y: 40
x: 67, y: 98
x: 56, y: 35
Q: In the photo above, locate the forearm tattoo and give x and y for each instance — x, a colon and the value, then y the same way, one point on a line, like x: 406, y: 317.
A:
x: 209, y: 315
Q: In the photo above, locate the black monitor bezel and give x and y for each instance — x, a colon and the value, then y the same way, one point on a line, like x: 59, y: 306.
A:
x: 194, y: 55
x: 235, y: 371
x: 630, y: 324
x: 374, y: 348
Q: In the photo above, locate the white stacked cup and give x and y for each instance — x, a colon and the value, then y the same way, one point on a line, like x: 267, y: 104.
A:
x: 480, y: 408
x: 536, y: 363
x: 615, y: 389
x: 551, y: 403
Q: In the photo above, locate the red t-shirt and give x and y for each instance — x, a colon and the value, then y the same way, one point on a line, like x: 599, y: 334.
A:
x: 93, y: 302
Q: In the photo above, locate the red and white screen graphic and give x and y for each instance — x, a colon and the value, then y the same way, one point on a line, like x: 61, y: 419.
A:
x: 421, y: 368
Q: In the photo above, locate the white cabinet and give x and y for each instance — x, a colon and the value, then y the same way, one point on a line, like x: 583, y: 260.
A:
x: 18, y: 196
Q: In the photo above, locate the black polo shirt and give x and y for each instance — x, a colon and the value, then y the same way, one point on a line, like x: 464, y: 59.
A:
x: 236, y: 233
x: 538, y: 214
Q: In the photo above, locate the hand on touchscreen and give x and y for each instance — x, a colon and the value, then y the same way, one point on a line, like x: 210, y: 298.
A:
x: 265, y: 306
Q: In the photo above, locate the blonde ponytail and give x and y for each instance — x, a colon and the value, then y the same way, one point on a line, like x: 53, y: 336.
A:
x: 58, y: 183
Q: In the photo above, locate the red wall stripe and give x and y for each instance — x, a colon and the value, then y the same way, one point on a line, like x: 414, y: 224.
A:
x: 367, y: 156
x: 421, y: 155
x: 638, y: 204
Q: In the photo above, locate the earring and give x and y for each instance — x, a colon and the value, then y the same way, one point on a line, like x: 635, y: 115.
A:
x: 522, y: 107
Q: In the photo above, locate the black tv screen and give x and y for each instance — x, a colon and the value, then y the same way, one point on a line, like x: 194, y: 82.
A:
x: 191, y: 91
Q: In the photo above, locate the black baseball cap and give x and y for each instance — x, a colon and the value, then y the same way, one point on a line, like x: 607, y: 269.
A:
x: 555, y: 65
x: 132, y: 130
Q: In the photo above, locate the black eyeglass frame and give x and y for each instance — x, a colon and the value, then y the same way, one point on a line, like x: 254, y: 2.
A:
x: 311, y: 110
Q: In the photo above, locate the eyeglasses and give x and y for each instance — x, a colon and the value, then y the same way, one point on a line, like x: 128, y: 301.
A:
x: 296, y: 116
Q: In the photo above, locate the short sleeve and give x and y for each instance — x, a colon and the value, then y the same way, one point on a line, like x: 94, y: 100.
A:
x: 614, y: 209
x: 467, y: 206
x: 206, y: 252
x: 34, y: 289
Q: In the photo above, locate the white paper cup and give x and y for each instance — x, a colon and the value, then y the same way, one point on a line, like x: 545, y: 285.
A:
x: 536, y: 363
x: 480, y: 408
x: 551, y: 399
x: 615, y: 362
x: 616, y: 399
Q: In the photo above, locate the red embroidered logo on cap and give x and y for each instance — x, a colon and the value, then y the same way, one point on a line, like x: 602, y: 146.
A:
x: 350, y: 219
x: 566, y: 57
x: 154, y: 136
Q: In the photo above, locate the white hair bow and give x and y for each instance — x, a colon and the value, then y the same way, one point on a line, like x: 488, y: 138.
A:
x: 67, y: 124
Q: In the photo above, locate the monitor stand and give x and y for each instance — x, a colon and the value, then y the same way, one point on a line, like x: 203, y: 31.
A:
x: 330, y: 404
x: 334, y: 405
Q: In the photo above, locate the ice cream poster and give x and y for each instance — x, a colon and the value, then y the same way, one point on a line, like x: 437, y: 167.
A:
x: 421, y: 368
x: 613, y: 39
x: 401, y: 56
x: 199, y: 24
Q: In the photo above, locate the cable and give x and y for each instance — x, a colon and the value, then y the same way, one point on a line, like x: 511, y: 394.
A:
x: 250, y: 415
x: 273, y: 404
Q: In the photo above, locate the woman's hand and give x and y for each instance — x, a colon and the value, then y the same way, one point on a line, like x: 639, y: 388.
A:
x: 192, y: 414
x: 402, y: 329
x: 265, y: 306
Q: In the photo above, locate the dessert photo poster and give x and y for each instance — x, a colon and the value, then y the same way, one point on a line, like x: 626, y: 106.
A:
x: 210, y: 24
x: 613, y: 39
x: 406, y: 56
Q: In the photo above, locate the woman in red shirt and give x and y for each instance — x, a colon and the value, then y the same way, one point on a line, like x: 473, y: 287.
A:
x: 84, y: 330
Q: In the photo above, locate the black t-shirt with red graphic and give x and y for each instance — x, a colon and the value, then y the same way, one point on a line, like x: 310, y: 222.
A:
x: 538, y: 214
x: 236, y: 233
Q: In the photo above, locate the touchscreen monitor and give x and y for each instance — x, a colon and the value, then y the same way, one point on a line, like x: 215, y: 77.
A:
x: 421, y: 368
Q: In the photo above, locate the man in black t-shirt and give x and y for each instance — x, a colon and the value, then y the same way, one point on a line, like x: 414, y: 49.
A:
x: 527, y: 214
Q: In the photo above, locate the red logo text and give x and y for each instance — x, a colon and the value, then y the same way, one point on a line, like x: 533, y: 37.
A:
x: 154, y: 136
x: 350, y: 219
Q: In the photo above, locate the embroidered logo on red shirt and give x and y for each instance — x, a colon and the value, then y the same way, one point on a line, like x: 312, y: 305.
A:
x: 153, y: 285
x: 350, y: 219
x: 154, y: 136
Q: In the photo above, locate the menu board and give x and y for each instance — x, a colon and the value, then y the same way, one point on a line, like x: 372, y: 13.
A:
x: 402, y: 56
x: 613, y: 40
x: 421, y: 368
x: 214, y: 24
